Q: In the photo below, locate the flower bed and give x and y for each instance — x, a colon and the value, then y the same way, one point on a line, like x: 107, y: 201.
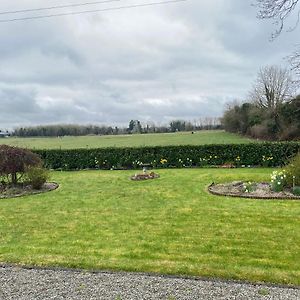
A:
x: 144, y: 176
x: 261, y: 190
x: 23, y: 190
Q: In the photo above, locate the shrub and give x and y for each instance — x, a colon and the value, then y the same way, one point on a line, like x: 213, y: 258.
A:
x: 249, y: 187
x: 296, y: 190
x: 278, y: 181
x: 14, y: 161
x: 293, y: 171
x: 170, y: 156
x: 37, y: 176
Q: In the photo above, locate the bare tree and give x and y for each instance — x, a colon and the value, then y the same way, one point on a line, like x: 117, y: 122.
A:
x: 273, y: 86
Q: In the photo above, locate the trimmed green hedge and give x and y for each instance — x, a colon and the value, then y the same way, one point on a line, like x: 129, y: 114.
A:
x: 260, y: 154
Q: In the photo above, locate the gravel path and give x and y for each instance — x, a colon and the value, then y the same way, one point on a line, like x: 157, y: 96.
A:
x: 32, y: 284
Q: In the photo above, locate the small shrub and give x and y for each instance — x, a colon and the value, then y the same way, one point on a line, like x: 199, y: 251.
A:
x: 14, y: 161
x: 296, y: 190
x: 249, y: 187
x: 278, y: 181
x: 37, y: 176
x: 293, y: 171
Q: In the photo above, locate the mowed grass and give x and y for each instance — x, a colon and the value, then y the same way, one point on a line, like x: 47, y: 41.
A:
x: 135, y: 140
x: 171, y: 225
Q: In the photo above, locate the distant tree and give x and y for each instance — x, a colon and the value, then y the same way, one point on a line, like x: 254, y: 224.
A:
x: 135, y: 126
x: 230, y: 119
x: 273, y: 86
x: 177, y: 125
x: 289, y: 117
x: 260, y: 122
x: 239, y: 118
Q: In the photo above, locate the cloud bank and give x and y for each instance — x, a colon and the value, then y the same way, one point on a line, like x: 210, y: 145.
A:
x: 178, y: 61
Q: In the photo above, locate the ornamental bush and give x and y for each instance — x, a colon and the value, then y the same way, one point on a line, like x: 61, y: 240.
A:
x: 14, y: 162
x: 278, y: 181
x: 256, y: 154
x: 37, y: 176
x: 293, y: 171
x: 296, y: 190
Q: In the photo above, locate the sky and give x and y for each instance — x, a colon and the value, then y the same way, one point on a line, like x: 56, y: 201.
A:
x: 184, y: 60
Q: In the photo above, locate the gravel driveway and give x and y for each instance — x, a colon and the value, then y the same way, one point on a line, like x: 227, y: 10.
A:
x: 25, y: 284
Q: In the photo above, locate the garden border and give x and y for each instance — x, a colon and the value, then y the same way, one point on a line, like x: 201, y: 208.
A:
x: 35, y: 192
x: 209, y: 188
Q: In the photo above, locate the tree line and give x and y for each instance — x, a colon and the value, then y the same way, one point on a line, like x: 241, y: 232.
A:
x: 271, y: 112
x: 134, y: 127
x: 248, y: 119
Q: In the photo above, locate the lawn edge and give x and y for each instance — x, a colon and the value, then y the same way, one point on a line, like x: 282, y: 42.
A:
x: 150, y: 274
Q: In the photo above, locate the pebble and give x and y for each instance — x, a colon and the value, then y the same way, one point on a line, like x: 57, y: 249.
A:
x: 20, y: 283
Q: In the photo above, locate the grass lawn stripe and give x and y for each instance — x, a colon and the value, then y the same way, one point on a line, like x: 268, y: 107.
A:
x: 170, y: 225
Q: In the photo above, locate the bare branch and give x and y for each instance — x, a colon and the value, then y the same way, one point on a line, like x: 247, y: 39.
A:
x: 294, y: 61
x: 279, y: 10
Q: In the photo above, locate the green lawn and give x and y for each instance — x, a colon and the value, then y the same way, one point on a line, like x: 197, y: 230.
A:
x: 171, y: 225
x: 136, y: 140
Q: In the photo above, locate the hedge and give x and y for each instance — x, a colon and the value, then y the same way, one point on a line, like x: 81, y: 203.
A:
x: 256, y: 154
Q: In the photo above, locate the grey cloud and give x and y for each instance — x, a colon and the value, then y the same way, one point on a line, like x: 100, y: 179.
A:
x: 178, y: 61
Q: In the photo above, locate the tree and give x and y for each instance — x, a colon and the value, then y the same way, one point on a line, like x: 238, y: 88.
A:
x: 280, y: 10
x: 130, y: 126
x: 177, y: 125
x: 134, y: 126
x: 273, y: 86
x: 14, y: 162
x: 289, y: 116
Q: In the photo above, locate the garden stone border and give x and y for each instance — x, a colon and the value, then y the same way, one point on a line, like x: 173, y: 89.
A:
x: 144, y: 176
x: 249, y: 196
x: 50, y: 186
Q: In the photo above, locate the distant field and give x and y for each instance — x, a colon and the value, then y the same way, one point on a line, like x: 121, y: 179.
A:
x: 136, y: 140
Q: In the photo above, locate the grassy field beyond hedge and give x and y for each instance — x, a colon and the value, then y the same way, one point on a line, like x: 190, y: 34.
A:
x: 135, y: 140
x: 171, y: 225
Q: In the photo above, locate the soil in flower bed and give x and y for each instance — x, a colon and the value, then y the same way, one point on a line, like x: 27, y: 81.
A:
x: 261, y: 190
x: 144, y: 176
x: 7, y: 191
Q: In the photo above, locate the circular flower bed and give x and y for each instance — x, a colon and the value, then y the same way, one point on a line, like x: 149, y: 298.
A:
x: 19, y: 190
x: 144, y: 176
x: 261, y: 190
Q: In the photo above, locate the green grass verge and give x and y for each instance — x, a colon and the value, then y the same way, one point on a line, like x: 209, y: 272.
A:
x: 171, y: 225
x: 135, y: 140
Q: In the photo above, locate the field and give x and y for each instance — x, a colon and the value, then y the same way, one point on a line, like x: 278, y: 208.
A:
x: 170, y: 225
x: 137, y: 140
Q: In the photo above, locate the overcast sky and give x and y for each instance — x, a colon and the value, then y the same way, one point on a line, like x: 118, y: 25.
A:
x: 182, y: 60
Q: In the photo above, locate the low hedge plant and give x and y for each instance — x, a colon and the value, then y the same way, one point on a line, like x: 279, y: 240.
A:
x: 254, y: 154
